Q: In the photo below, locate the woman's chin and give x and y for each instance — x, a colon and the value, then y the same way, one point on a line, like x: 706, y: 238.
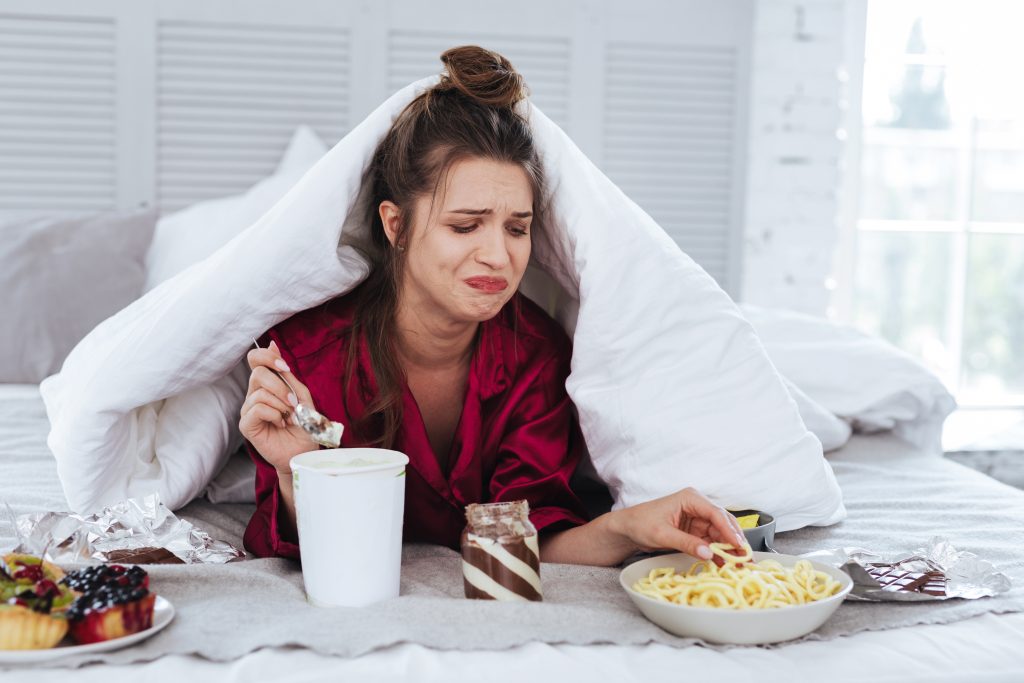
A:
x: 483, y: 309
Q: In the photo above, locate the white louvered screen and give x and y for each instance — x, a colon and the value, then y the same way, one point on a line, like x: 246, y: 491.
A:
x: 229, y: 96
x: 543, y: 62
x: 57, y: 113
x: 112, y: 104
x: 669, y: 141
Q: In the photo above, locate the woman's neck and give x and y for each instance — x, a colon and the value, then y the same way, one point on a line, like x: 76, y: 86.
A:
x: 429, y: 340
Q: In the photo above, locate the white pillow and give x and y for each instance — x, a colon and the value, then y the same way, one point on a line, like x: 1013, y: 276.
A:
x: 832, y: 432
x: 193, y: 233
x: 862, y: 379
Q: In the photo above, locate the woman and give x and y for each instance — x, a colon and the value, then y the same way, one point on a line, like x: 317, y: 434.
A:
x: 437, y: 355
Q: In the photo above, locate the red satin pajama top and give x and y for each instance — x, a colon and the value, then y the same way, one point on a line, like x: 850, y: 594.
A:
x: 517, y: 436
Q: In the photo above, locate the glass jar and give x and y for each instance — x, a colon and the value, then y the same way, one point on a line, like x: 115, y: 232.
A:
x: 500, y: 552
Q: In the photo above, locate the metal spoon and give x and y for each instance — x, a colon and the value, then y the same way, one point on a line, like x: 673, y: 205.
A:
x: 323, y: 431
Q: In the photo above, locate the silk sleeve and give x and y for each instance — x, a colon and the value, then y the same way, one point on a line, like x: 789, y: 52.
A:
x: 540, y: 450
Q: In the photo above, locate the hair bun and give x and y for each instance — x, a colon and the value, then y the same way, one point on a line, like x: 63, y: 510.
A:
x: 483, y: 75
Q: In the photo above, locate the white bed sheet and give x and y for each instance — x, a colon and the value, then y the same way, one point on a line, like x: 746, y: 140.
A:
x: 986, y: 648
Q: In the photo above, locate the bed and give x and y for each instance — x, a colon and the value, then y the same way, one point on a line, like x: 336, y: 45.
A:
x: 158, y: 130
x: 888, y: 485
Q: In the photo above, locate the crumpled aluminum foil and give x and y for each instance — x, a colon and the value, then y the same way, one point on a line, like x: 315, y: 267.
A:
x: 134, y: 531
x: 968, y: 575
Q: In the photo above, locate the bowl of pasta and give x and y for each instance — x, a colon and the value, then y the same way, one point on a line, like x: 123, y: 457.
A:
x: 747, y: 599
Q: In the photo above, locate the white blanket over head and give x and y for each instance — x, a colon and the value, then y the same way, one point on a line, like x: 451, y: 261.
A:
x: 672, y: 386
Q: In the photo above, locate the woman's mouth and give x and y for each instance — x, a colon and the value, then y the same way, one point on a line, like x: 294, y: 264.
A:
x: 488, y: 284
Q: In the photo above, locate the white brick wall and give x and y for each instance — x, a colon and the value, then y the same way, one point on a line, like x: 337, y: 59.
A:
x: 798, y: 100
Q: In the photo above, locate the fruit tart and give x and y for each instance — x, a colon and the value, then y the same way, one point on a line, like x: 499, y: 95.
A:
x: 113, y: 601
x: 33, y: 603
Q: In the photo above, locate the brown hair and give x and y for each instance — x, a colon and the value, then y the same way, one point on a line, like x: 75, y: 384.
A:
x: 469, y: 113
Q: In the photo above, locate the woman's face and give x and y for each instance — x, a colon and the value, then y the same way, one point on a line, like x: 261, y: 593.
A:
x: 465, y: 258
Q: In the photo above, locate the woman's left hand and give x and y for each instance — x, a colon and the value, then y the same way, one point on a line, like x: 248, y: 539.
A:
x: 685, y: 521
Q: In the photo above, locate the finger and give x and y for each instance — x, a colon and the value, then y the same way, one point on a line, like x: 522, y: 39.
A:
x: 258, y: 416
x: 729, y: 527
x: 261, y: 395
x: 719, y: 518
x: 734, y: 523
x: 268, y: 358
x: 677, y: 539
x: 301, y: 391
x: 279, y: 365
x: 262, y: 378
x: 278, y: 360
x: 271, y: 359
x: 731, y: 533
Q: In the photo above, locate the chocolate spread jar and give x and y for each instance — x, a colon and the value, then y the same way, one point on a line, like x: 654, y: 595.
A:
x: 500, y: 552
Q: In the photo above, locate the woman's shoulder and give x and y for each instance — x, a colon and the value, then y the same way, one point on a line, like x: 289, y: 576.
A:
x: 309, y: 331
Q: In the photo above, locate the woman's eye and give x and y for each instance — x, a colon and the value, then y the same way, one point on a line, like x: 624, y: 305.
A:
x: 517, y: 230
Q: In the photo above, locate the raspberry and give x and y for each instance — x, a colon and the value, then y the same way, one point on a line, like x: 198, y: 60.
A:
x: 46, y: 587
x: 29, y: 572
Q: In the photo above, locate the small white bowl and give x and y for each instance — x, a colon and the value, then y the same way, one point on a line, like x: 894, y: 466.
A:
x: 736, y: 627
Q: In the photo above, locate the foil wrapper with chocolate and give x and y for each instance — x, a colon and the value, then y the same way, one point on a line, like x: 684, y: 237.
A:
x: 134, y: 531
x: 937, y: 571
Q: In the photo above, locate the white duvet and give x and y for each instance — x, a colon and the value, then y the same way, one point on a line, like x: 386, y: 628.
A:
x: 672, y: 385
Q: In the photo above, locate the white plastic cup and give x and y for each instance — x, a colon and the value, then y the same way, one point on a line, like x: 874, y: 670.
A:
x: 349, y: 504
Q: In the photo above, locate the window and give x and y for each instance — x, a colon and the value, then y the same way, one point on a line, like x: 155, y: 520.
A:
x: 940, y: 233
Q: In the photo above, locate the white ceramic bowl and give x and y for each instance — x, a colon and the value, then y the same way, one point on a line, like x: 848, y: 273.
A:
x: 738, y: 627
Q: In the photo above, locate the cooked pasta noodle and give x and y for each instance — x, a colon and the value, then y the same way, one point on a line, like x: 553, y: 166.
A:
x: 740, y: 583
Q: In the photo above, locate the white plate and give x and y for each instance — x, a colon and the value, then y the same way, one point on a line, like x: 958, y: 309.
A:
x: 737, y: 627
x: 163, y: 612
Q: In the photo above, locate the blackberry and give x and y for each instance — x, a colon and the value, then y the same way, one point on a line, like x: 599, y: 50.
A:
x: 105, y: 586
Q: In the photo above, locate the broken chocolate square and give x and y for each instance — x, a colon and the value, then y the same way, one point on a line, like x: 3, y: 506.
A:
x: 892, y: 577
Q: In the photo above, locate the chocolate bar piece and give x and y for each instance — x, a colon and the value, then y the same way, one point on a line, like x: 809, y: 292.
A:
x: 892, y: 577
x: 935, y: 585
x: 143, y: 556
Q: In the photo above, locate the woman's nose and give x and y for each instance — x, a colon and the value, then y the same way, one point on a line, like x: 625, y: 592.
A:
x: 492, y: 251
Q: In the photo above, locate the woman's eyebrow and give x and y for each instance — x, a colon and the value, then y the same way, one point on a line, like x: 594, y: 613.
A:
x: 486, y: 212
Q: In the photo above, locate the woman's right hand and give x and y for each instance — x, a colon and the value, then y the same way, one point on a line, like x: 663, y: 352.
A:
x: 685, y: 521
x: 266, y: 416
